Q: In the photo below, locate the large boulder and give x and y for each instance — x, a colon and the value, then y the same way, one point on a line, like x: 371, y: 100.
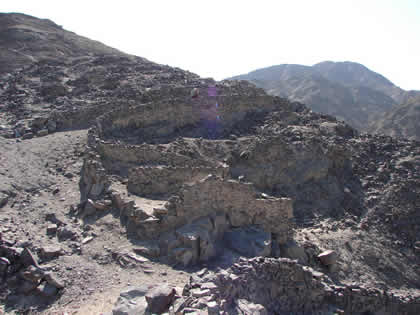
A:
x: 160, y: 298
x: 131, y: 301
x: 328, y: 257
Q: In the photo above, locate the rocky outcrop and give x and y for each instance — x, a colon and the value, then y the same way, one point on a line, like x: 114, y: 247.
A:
x: 23, y: 276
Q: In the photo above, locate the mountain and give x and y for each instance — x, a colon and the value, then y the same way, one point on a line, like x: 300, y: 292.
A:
x: 347, y: 90
x: 51, y: 76
x: 353, y: 74
x: 25, y: 39
x: 402, y: 121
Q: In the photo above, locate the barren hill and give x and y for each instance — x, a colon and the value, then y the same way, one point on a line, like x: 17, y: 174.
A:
x: 402, y: 121
x: 25, y: 39
x: 132, y: 187
x: 346, y: 90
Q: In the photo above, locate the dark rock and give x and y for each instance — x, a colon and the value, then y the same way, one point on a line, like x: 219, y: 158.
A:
x: 51, y: 279
x: 66, y: 233
x: 52, y: 217
x: 47, y: 289
x: 28, y: 135
x: 4, y: 264
x: 27, y: 258
x: 27, y: 286
x: 3, y: 199
x: 159, y: 298
x: 52, y: 229
x: 69, y: 175
x: 48, y: 252
x: 51, y: 126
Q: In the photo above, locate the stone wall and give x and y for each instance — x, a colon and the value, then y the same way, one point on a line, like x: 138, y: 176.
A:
x: 282, y: 286
x: 120, y: 158
x: 240, y: 201
x: 167, y: 180
x: 164, y: 118
x: 192, y: 222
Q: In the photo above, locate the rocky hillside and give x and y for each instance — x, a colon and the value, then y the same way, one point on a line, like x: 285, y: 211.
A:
x: 353, y: 74
x: 25, y: 39
x: 402, y: 121
x: 131, y: 187
x: 346, y: 90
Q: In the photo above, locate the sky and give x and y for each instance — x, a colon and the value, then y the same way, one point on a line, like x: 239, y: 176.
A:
x: 220, y: 39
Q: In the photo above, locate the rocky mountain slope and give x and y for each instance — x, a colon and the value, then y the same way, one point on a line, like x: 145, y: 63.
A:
x: 402, y: 121
x: 346, y: 90
x: 25, y: 39
x: 268, y: 206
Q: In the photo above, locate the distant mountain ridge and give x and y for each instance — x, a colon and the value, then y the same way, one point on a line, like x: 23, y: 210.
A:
x: 347, y: 90
x: 402, y: 121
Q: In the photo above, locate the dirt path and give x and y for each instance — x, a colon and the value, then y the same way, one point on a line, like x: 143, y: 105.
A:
x: 42, y: 174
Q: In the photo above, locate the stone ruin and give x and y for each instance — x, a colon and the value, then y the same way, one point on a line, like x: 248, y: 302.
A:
x: 193, y: 174
x: 163, y: 166
x: 198, y: 170
x: 262, y: 286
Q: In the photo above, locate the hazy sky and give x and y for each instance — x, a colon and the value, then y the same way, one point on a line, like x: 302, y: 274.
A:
x: 225, y: 38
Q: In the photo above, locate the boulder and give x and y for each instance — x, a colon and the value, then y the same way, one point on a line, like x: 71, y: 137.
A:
x: 131, y: 301
x: 249, y: 241
x: 328, y: 258
x: 48, y: 252
x: 160, y: 298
